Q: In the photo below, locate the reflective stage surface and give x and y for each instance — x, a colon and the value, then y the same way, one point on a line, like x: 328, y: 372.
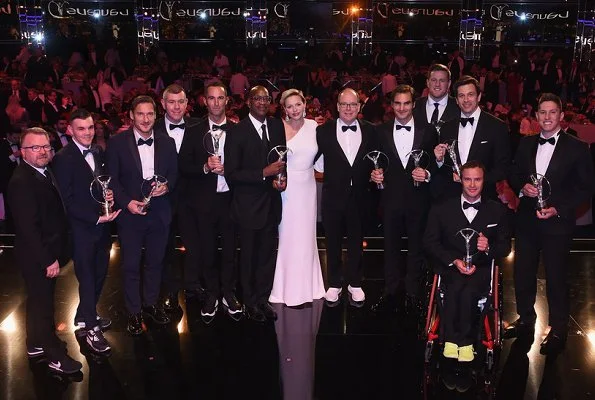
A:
x: 311, y: 352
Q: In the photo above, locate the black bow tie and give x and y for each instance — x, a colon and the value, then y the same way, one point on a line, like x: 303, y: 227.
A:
x: 465, y: 120
x: 222, y: 127
x: 466, y: 205
x: 89, y: 151
x: 408, y: 128
x: 551, y: 140
x: 148, y: 142
x: 174, y: 126
x: 352, y: 127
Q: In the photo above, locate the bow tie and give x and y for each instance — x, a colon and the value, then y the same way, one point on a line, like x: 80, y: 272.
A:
x: 148, y: 142
x: 222, y: 127
x: 465, y: 120
x: 174, y: 126
x: 88, y: 151
x: 466, y: 205
x: 551, y: 140
x: 398, y: 127
x: 345, y: 128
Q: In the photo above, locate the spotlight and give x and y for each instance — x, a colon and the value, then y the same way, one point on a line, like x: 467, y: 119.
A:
x: 411, y: 13
x: 203, y: 15
x: 523, y: 17
x: 246, y: 14
x: 354, y: 10
x: 96, y: 15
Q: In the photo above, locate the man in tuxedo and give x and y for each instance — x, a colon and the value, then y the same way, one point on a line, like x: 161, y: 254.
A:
x: 133, y: 158
x: 34, y: 106
x: 256, y: 201
x: 479, y: 137
x: 177, y: 127
x: 208, y: 204
x: 566, y: 164
x: 465, y: 284
x: 343, y: 144
x: 75, y: 167
x: 438, y: 105
x: 41, y: 245
x: 51, y: 109
x: 60, y: 136
x: 405, y: 205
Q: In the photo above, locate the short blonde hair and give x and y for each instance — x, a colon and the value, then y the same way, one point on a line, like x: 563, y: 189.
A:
x: 291, y: 92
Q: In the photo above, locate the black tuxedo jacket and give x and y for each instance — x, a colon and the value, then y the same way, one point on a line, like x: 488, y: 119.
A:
x: 35, y: 108
x: 7, y: 166
x: 74, y: 177
x: 399, y: 190
x: 202, y: 188
x: 444, y: 245
x: 570, y: 174
x: 39, y: 219
x: 339, y: 175
x: 51, y: 114
x: 254, y: 197
x: 124, y: 165
x: 451, y: 112
x: 490, y: 146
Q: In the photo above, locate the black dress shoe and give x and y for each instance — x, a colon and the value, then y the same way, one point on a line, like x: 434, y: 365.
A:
x: 386, y: 305
x: 156, y: 314
x: 135, y: 324
x: 519, y: 328
x: 553, y: 343
x: 209, y: 309
x: 255, y: 314
x: 268, y: 311
x: 232, y: 306
x: 170, y: 302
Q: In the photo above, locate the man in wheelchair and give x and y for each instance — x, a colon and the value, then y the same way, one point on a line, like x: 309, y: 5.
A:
x: 465, y: 284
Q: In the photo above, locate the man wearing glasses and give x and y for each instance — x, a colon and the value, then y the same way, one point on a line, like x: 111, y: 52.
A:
x: 343, y: 145
x: 256, y: 202
x: 41, y: 245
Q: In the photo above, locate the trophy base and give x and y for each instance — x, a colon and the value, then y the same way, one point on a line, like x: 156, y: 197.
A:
x: 416, y: 184
x: 380, y: 186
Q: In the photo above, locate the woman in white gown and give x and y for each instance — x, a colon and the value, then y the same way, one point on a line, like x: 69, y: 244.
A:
x: 298, y: 277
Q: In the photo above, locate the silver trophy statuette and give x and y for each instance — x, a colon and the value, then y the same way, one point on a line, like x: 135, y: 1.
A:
x: 380, y: 161
x: 279, y: 153
x: 211, y: 142
x: 98, y: 190
x: 420, y: 160
x: 149, y: 187
x: 438, y: 124
x: 468, y: 234
x: 452, y: 153
x: 543, y: 187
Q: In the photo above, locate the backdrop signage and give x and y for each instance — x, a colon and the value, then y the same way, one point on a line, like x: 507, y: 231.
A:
x: 503, y: 12
x: 171, y: 10
x: 65, y: 9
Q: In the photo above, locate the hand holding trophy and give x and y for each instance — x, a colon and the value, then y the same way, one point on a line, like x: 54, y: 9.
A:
x: 438, y: 124
x: 212, y: 144
x: 420, y: 160
x: 544, y: 190
x: 276, y: 154
x: 468, y: 234
x: 151, y: 187
x: 99, y: 192
x: 454, y: 157
x: 380, y: 161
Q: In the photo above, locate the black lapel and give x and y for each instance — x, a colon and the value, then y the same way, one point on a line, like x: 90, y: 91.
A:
x: 390, y: 139
x: 134, y: 151
x: 533, y: 155
x: 335, y: 141
x: 158, y: 143
x: 73, y: 148
x: 364, y: 145
x: 478, y: 136
x: 558, y: 155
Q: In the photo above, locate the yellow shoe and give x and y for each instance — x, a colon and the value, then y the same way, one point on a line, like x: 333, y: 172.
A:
x: 451, y: 350
x: 466, y: 353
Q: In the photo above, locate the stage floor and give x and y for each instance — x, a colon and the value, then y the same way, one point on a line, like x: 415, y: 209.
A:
x: 339, y: 353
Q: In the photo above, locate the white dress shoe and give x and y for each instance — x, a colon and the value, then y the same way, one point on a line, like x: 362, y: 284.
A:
x: 332, y: 294
x: 357, y: 294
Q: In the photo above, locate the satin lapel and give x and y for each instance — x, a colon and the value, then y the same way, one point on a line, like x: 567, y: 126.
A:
x: 364, y: 145
x: 557, y: 156
x: 81, y: 160
x: 390, y: 139
x: 134, y: 151
x: 158, y: 148
x: 333, y: 134
x: 533, y: 155
x: 478, y: 137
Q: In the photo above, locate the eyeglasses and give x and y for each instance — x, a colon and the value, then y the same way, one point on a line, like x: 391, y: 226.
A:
x: 262, y: 99
x: 348, y: 105
x: 37, y: 149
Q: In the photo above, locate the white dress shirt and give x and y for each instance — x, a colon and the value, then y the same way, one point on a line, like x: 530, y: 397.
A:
x: 470, y: 212
x: 176, y: 134
x: 221, y: 182
x: 466, y: 135
x: 544, y: 154
x: 430, y: 107
x: 89, y: 157
x: 404, y: 141
x: 147, y: 155
x: 258, y: 126
x: 40, y: 170
x: 349, y: 140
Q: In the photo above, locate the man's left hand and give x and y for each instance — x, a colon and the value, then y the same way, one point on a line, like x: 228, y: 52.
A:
x: 546, y: 213
x: 280, y: 186
x: 160, y: 191
x: 482, y: 243
x: 419, y: 174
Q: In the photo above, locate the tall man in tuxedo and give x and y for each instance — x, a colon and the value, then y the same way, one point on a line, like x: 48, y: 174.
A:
x: 75, y: 167
x: 437, y: 105
x: 52, y: 109
x: 41, y: 245
x: 132, y: 157
x: 256, y: 201
x: 405, y: 206
x: 343, y: 144
x: 176, y: 126
x: 465, y: 284
x: 479, y: 137
x: 566, y: 163
x: 208, y: 197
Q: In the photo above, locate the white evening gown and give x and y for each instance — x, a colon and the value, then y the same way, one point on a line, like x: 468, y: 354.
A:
x: 298, y: 277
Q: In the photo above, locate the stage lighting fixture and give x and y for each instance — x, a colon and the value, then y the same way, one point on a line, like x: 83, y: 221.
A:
x: 96, y: 15
x: 203, y: 15
x: 523, y: 17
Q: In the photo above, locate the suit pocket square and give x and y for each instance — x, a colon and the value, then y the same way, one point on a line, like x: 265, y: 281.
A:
x: 491, y: 225
x: 484, y: 141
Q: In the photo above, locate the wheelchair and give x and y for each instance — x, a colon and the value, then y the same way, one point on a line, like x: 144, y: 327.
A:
x: 489, y: 341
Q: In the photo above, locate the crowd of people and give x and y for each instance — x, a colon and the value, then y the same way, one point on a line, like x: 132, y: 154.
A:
x: 245, y: 166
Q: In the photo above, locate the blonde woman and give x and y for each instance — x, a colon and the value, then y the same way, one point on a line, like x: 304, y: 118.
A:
x: 298, y: 278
